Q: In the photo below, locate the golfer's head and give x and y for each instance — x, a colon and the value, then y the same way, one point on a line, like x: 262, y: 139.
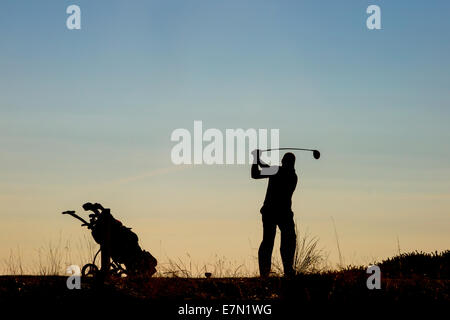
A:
x: 288, y: 161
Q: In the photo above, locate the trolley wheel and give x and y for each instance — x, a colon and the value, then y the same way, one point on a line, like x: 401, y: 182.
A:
x: 89, y: 270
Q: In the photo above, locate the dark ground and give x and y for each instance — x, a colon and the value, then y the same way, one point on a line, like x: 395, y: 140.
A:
x: 409, y: 281
x: 166, y: 295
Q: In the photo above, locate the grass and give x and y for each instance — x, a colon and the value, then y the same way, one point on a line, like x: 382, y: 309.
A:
x: 428, y: 282
x: 221, y: 267
x: 13, y: 265
x: 414, y: 277
x: 52, y: 258
x: 55, y: 256
x: 309, y: 258
x: 433, y: 265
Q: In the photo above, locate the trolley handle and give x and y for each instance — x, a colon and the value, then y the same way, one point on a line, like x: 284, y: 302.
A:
x: 73, y: 214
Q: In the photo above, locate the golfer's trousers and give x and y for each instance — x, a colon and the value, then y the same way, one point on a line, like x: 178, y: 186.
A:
x: 285, y: 221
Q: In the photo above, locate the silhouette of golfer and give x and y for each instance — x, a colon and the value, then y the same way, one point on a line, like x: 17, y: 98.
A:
x: 277, y: 211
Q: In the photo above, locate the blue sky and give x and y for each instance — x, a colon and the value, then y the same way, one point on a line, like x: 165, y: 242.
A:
x: 96, y: 105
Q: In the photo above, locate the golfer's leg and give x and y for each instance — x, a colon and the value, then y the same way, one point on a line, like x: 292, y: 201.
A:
x: 288, y: 244
x: 266, y: 247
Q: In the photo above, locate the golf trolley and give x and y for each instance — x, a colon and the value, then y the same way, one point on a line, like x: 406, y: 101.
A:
x: 120, y: 251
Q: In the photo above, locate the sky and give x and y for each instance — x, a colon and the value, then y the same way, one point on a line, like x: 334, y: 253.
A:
x: 87, y: 115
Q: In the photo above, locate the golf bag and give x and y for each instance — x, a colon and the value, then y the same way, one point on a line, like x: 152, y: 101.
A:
x: 126, y: 254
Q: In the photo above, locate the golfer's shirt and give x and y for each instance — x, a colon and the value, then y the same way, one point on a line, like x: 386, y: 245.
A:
x: 279, y: 192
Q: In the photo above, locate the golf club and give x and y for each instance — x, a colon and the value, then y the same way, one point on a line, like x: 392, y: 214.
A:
x: 316, y: 153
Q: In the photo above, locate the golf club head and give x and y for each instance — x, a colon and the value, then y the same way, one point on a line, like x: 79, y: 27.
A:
x: 316, y: 154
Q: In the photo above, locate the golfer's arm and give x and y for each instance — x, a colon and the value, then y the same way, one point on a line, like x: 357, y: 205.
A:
x: 256, y: 173
x: 262, y: 164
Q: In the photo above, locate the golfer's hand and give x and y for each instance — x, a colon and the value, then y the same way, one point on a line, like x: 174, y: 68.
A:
x: 255, y: 153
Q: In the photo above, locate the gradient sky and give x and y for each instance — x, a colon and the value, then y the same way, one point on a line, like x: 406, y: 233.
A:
x: 86, y: 115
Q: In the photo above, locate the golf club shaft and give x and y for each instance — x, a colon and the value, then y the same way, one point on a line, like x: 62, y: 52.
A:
x: 287, y: 149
